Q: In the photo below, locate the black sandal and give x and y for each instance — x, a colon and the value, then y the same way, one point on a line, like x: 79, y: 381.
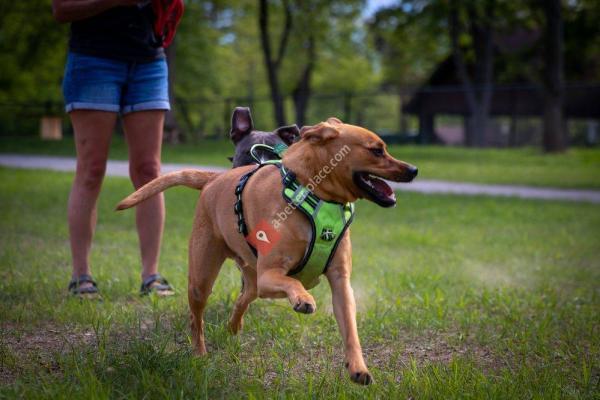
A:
x: 88, y: 291
x: 156, y: 283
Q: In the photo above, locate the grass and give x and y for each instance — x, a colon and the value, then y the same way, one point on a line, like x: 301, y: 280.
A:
x: 458, y: 297
x: 578, y: 168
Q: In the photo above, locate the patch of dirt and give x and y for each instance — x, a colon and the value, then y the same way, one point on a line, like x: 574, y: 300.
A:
x: 37, y: 347
x: 47, y: 339
x: 25, y: 347
x: 431, y: 347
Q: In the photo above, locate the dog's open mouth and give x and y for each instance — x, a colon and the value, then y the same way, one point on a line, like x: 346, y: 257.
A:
x: 376, y: 189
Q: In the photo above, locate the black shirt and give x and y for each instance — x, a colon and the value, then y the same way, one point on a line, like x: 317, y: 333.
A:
x: 122, y: 33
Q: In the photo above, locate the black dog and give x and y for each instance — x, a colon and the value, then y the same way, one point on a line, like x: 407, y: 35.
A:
x: 244, y: 137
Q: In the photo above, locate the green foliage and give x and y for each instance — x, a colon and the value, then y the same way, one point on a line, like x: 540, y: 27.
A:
x: 218, y: 56
x: 233, y: 61
x: 32, y: 56
x: 412, y: 38
x: 32, y: 52
x: 582, y: 41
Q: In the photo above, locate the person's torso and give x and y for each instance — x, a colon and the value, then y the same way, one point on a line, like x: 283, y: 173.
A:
x: 122, y: 33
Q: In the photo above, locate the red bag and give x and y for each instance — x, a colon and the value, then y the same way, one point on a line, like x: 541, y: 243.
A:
x: 168, y: 14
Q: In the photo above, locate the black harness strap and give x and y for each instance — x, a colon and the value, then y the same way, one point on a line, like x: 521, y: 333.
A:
x: 238, y: 207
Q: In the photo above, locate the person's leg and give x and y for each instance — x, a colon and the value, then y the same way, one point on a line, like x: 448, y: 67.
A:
x: 143, y: 130
x: 93, y: 130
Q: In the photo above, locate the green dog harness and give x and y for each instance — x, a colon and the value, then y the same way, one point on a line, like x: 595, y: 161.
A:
x: 328, y: 220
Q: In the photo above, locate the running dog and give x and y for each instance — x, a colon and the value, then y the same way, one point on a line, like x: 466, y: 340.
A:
x: 215, y: 235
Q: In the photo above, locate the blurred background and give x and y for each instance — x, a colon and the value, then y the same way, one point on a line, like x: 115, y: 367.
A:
x: 490, y: 73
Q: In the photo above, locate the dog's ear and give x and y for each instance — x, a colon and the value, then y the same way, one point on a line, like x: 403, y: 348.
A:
x: 334, y: 121
x: 241, y: 124
x: 289, y: 134
x: 319, y: 133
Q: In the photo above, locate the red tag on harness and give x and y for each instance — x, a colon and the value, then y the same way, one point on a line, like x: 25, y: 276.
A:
x: 263, y: 237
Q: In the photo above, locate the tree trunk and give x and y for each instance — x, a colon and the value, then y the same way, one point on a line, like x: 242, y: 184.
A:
x: 172, y: 132
x: 273, y: 65
x: 479, y: 89
x: 426, y: 128
x: 402, y: 120
x: 554, y: 136
x: 302, y: 92
x: 347, y: 108
x: 512, y: 135
x: 476, y: 128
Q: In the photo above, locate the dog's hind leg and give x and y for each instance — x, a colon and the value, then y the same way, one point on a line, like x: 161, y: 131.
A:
x: 206, y: 256
x: 247, y: 295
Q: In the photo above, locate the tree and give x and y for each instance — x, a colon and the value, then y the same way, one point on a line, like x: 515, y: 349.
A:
x: 302, y: 91
x: 172, y: 131
x: 308, y: 30
x: 207, y: 67
x: 32, y: 61
x: 554, y: 136
x: 273, y: 62
x: 478, y: 89
x: 32, y: 52
x: 411, y: 37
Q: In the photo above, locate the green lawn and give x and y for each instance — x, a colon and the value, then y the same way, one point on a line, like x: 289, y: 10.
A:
x: 468, y: 297
x: 578, y: 168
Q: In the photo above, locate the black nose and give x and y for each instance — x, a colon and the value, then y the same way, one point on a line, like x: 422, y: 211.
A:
x: 414, y: 171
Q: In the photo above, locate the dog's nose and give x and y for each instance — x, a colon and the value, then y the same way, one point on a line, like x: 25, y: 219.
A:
x: 413, y: 170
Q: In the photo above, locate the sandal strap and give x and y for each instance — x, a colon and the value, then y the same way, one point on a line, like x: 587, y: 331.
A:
x: 147, y: 286
x: 85, y: 290
x: 83, y: 278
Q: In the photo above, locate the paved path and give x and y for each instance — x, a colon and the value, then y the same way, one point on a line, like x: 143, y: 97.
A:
x: 120, y: 168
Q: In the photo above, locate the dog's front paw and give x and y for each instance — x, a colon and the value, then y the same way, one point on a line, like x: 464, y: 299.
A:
x: 362, y: 378
x: 359, y: 375
x: 305, y: 305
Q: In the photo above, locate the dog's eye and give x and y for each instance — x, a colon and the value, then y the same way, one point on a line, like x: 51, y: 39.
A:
x: 377, y: 152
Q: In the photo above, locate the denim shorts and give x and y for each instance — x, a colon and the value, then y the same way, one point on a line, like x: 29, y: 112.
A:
x: 95, y: 83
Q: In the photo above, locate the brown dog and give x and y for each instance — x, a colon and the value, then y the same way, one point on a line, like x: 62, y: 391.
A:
x: 215, y: 236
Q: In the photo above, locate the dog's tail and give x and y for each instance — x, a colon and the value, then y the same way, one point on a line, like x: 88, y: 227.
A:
x: 192, y: 178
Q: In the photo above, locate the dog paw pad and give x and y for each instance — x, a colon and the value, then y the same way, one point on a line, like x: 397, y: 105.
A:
x: 304, y: 308
x: 362, y: 378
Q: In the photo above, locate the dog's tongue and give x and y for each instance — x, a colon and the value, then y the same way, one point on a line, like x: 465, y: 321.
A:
x: 381, y: 186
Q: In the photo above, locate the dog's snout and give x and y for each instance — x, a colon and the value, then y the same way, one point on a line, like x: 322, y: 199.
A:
x: 405, y: 172
x: 413, y: 171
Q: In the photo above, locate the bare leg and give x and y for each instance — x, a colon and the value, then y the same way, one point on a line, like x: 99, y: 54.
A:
x: 93, y: 130
x: 144, y: 131
x: 247, y: 296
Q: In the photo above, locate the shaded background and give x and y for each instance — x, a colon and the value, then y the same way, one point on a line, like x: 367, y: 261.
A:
x: 458, y: 296
x: 478, y: 73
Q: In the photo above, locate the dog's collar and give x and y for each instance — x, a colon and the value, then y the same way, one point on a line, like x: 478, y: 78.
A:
x: 329, y: 221
x: 278, y: 150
